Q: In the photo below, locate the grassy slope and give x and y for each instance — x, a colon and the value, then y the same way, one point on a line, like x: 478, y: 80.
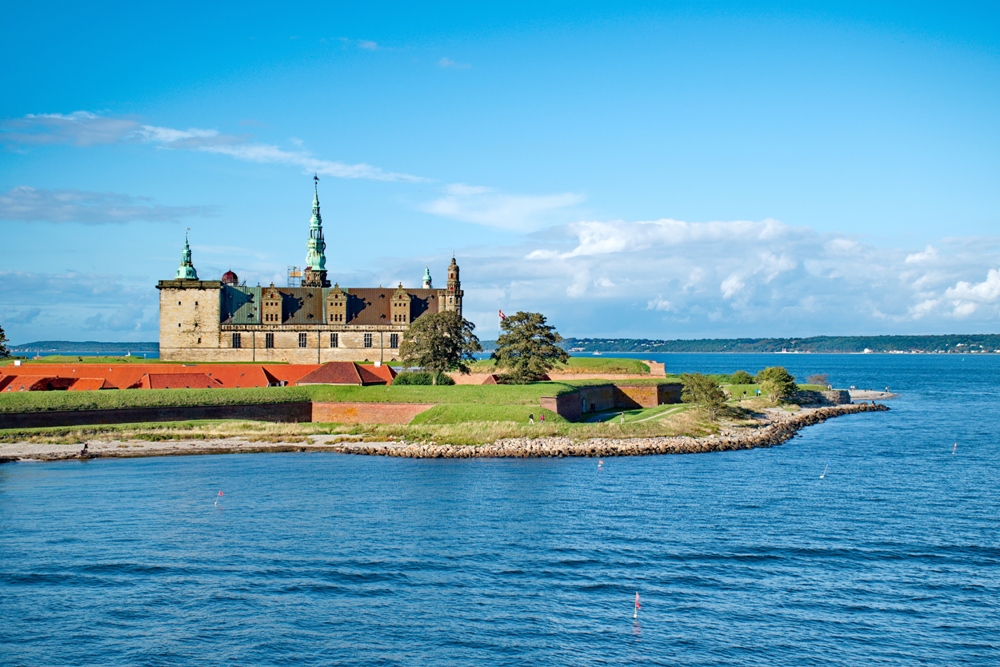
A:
x: 581, y: 365
x: 124, y: 398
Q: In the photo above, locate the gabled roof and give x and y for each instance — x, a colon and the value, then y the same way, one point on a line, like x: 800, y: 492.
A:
x: 334, y: 372
x: 371, y: 374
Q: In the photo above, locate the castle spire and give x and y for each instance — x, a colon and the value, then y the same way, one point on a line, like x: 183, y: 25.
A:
x: 186, y: 270
x: 427, y: 278
x: 316, y: 253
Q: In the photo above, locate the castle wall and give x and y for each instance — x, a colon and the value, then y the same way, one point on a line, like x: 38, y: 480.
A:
x: 189, y: 318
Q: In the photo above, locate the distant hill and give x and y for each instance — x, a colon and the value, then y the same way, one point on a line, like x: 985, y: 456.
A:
x: 80, y: 347
x: 952, y: 343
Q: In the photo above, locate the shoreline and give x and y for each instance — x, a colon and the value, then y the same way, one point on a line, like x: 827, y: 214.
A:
x: 775, y: 428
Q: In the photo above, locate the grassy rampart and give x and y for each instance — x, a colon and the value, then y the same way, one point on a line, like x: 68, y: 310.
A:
x: 610, y: 365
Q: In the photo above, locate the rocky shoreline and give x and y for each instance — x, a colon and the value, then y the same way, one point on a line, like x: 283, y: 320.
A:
x: 775, y: 428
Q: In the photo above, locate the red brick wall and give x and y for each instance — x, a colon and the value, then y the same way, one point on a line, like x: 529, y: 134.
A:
x: 367, y: 413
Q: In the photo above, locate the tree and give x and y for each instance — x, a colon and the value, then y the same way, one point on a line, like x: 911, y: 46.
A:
x: 703, y: 391
x: 527, y: 348
x: 4, y: 352
x: 440, y: 342
x: 741, y: 377
x: 776, y: 383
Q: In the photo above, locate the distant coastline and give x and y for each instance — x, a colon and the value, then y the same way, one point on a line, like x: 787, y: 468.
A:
x: 943, y: 344
x: 929, y: 344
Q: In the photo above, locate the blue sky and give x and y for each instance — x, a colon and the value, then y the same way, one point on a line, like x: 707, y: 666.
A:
x: 648, y: 170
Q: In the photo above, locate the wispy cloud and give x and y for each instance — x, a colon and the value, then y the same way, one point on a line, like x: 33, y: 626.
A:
x: 29, y: 204
x: 485, y: 206
x: 83, y: 128
x: 448, y: 63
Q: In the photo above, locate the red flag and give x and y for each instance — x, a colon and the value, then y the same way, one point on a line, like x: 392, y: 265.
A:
x: 220, y: 493
x: 637, y: 605
x: 502, y: 316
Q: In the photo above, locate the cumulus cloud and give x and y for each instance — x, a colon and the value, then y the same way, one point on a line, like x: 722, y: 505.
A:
x: 82, y: 128
x: 39, y: 205
x: 485, y: 206
x: 966, y: 297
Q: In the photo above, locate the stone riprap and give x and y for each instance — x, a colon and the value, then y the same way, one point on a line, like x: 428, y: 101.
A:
x: 774, y: 428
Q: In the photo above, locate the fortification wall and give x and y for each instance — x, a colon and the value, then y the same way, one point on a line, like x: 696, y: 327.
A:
x: 275, y: 412
x: 367, y: 413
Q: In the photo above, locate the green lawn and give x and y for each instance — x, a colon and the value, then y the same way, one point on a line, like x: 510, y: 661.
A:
x: 457, y: 413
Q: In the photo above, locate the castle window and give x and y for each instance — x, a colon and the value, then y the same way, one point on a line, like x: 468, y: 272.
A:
x: 237, y: 341
x: 334, y: 340
x: 196, y: 303
x: 269, y: 340
x: 303, y: 340
x: 368, y: 340
x: 199, y: 341
x: 393, y: 341
x: 178, y: 303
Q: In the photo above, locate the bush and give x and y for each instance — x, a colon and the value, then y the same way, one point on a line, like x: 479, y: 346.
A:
x: 421, y: 378
x: 776, y: 383
x: 741, y: 377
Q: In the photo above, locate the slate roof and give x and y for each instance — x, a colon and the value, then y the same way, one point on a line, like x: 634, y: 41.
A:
x: 366, y: 306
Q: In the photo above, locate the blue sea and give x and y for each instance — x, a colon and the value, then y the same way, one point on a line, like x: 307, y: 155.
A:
x: 739, y: 558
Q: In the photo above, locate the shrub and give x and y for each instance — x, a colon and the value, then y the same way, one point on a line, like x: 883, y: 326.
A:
x: 741, y: 377
x: 703, y: 391
x: 421, y: 378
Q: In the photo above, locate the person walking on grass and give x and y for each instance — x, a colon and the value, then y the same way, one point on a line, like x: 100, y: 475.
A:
x: 531, y: 418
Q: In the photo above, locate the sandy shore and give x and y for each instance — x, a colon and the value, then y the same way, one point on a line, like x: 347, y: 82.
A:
x: 774, y: 427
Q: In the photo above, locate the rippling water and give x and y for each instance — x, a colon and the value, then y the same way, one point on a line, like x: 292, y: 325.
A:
x: 744, y: 558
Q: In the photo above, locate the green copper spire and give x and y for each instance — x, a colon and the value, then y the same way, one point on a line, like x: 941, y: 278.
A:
x: 186, y: 270
x: 316, y: 255
x: 427, y: 277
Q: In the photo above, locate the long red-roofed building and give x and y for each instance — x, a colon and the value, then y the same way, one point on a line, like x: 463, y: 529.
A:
x: 84, y: 377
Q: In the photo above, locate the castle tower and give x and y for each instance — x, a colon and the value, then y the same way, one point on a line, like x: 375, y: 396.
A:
x: 186, y: 270
x: 453, y: 293
x: 315, y: 273
x: 427, y: 278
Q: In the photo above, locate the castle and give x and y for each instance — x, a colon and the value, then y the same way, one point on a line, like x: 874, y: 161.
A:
x: 223, y: 320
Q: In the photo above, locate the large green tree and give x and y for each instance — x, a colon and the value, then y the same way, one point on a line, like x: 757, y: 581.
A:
x: 526, y: 349
x: 703, y: 391
x: 440, y: 342
x: 4, y: 352
x: 776, y: 383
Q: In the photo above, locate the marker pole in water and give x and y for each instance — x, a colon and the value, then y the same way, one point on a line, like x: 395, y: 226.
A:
x: 635, y: 614
x: 217, y: 498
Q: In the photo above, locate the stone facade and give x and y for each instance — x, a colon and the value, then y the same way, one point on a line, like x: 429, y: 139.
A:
x: 224, y: 321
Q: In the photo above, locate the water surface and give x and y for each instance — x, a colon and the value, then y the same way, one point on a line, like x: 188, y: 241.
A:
x: 741, y: 558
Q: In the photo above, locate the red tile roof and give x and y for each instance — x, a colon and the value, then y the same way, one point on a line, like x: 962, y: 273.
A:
x: 90, y: 384
x: 334, y: 372
x: 177, y: 381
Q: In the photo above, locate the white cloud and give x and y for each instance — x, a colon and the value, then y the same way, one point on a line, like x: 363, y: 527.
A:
x: 966, y: 297
x: 83, y: 128
x: 38, y: 205
x: 928, y: 254
x: 367, y: 45
x: 448, y: 63
x: 485, y: 206
x: 670, y: 278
